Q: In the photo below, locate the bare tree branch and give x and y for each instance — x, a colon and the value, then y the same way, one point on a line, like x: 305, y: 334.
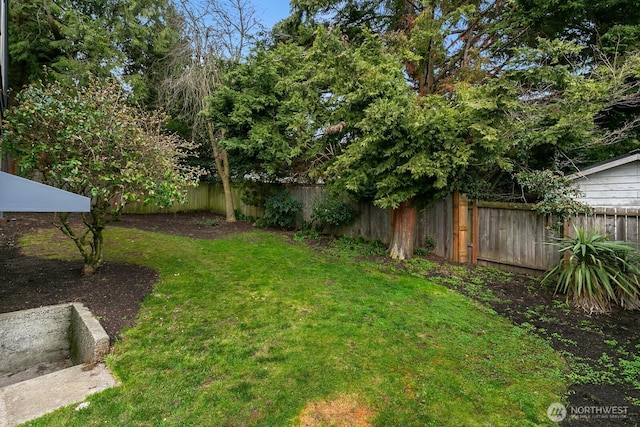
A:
x: 214, y: 34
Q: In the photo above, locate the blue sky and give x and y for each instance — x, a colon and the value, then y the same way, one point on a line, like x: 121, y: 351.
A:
x: 271, y: 11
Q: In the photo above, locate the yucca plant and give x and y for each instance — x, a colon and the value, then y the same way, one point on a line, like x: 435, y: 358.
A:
x: 596, y: 271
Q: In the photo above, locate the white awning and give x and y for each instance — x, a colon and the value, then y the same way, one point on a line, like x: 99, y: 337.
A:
x: 23, y: 195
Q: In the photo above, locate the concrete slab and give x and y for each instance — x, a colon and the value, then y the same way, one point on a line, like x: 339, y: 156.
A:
x: 36, y: 397
x: 37, y: 350
x: 42, y: 368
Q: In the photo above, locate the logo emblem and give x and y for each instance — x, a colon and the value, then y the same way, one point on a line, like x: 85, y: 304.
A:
x: 557, y: 412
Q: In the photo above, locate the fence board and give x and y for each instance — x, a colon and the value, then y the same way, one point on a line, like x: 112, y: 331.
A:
x: 509, y: 236
x: 308, y: 196
x: 513, y: 238
x: 436, y: 222
x: 617, y: 223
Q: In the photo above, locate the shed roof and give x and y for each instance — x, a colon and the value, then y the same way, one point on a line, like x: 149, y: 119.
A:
x: 608, y: 164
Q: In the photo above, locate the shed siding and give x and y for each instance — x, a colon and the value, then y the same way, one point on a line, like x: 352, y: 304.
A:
x: 619, y: 186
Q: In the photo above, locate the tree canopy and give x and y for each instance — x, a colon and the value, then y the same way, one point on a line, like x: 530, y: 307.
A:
x: 395, y: 101
x: 70, y: 38
x: 213, y: 37
x: 402, y: 102
x: 264, y: 110
x: 348, y: 114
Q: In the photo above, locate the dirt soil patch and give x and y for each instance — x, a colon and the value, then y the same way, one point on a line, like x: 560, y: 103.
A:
x: 344, y: 411
x: 115, y: 293
x: 604, y: 351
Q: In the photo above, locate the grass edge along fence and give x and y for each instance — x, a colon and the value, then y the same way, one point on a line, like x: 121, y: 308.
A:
x: 508, y: 236
x: 372, y: 223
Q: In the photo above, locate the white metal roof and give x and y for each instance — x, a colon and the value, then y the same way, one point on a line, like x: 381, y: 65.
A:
x: 23, y: 195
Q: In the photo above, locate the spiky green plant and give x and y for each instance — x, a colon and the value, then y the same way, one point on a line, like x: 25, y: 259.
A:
x: 596, y: 271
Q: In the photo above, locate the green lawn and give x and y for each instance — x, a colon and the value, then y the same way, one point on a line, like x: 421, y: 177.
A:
x: 253, y: 329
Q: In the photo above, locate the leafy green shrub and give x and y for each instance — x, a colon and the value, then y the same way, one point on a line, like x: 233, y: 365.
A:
x: 257, y: 193
x: 89, y: 140
x: 352, y: 247
x: 280, y: 209
x: 333, y: 211
x: 597, y: 271
x: 429, y: 246
x: 556, y: 195
x: 430, y: 243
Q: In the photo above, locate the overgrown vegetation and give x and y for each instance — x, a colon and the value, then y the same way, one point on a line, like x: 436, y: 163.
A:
x: 596, y: 272
x: 556, y: 196
x: 495, y: 88
x: 332, y: 212
x: 280, y: 210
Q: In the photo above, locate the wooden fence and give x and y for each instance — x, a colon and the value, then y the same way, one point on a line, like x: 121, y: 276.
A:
x: 509, y: 236
x: 516, y: 238
x: 205, y: 197
x: 374, y: 223
x: 618, y: 223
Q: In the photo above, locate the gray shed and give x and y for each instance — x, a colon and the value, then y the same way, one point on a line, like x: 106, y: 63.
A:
x: 614, y: 183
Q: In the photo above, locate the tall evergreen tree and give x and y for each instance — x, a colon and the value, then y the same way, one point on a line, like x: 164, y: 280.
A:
x: 443, y: 46
x: 67, y: 38
x: 403, y: 101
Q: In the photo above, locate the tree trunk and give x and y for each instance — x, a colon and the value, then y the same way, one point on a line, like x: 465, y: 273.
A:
x: 93, y: 259
x: 403, y: 226
x: 221, y: 158
x: 93, y: 254
x: 226, y: 186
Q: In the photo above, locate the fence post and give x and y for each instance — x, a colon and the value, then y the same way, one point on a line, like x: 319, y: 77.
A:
x: 475, y: 233
x: 566, y: 232
x: 566, y: 229
x: 460, y: 227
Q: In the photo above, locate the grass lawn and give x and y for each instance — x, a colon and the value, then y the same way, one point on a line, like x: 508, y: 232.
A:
x: 255, y: 330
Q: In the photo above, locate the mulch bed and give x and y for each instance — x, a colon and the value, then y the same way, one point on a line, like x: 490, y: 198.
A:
x: 575, y: 332
x: 115, y: 293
